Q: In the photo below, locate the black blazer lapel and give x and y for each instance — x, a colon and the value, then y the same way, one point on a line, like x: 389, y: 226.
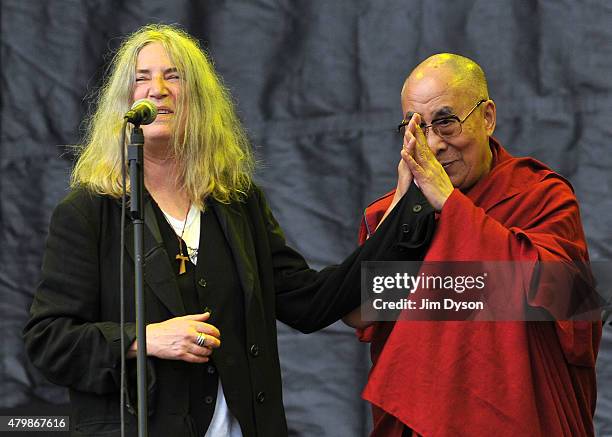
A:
x: 240, y: 240
x: 158, y: 273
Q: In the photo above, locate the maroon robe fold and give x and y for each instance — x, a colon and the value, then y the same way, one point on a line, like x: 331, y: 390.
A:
x: 490, y: 378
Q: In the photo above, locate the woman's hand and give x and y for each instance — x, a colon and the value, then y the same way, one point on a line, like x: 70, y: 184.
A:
x: 176, y: 339
x: 404, y: 179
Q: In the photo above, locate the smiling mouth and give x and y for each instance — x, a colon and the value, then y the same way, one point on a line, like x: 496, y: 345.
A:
x: 448, y: 164
x: 164, y: 111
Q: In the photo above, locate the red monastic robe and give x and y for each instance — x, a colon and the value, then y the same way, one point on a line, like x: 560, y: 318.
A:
x: 490, y: 378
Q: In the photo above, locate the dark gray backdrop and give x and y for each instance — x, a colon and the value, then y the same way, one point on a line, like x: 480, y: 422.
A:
x: 317, y: 85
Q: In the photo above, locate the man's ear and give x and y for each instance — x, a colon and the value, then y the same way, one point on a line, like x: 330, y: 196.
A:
x: 490, y: 116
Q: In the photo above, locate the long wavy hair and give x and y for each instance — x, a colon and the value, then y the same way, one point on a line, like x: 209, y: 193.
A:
x: 212, y: 153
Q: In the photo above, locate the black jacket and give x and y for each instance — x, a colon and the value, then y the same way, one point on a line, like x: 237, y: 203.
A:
x: 73, y: 335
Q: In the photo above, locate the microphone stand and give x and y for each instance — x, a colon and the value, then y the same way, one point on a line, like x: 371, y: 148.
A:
x: 136, y: 166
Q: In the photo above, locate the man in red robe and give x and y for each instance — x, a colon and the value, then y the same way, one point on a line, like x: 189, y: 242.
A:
x: 507, y: 378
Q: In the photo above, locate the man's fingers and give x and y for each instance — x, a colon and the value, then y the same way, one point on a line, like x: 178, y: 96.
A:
x: 422, y: 152
x: 410, y: 131
x: 418, y: 132
x: 402, y: 169
x: 409, y: 142
x: 414, y: 166
x: 408, y: 150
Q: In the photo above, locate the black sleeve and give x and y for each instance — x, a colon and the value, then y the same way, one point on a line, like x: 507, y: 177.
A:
x: 64, y: 337
x: 308, y: 300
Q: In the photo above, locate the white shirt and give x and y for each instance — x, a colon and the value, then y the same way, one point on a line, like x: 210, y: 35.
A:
x: 223, y: 422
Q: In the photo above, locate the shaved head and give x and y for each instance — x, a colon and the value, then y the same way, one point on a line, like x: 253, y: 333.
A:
x: 452, y: 87
x: 460, y: 73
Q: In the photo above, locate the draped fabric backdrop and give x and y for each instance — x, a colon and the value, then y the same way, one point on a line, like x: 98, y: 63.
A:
x: 317, y: 85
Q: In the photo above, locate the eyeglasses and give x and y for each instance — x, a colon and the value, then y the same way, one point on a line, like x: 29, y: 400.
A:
x: 445, y: 127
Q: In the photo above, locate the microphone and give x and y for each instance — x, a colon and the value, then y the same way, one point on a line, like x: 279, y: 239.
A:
x: 143, y: 111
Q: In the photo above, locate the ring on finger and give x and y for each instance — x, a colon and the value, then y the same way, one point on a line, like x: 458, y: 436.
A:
x: 201, y: 339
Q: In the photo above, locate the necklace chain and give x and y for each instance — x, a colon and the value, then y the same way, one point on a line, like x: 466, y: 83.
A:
x: 184, y: 226
x: 180, y: 256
